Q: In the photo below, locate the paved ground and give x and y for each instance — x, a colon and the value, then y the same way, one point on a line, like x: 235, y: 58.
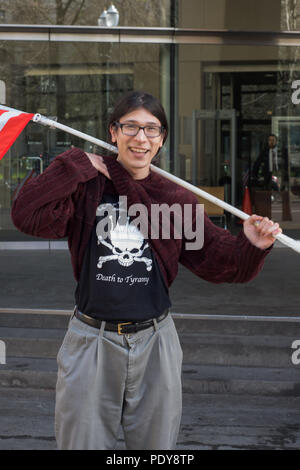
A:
x: 44, y: 279
x: 210, y: 422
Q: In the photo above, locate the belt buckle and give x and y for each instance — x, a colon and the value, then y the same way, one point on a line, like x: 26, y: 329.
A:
x: 120, y: 327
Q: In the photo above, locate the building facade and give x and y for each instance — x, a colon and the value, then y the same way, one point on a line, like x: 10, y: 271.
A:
x: 226, y: 72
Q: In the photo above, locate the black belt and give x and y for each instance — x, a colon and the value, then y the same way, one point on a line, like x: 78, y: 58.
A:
x: 121, y: 328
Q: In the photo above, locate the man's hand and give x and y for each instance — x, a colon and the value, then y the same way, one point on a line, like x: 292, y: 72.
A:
x: 98, y: 163
x: 260, y: 231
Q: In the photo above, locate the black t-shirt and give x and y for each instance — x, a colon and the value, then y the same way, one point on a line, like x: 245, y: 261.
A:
x: 120, y: 277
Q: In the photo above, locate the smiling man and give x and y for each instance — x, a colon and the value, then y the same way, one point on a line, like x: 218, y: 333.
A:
x: 143, y: 138
x: 120, y: 361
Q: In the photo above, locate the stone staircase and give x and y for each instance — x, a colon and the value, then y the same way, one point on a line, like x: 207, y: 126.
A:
x: 235, y: 361
x: 224, y: 356
x: 239, y: 356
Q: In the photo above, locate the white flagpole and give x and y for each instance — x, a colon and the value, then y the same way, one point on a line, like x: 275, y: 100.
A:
x: 284, y: 239
x: 53, y: 124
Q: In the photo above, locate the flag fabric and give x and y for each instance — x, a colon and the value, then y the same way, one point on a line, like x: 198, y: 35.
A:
x: 247, y: 204
x: 12, y: 122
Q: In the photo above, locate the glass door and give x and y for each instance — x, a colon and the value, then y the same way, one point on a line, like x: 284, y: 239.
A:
x: 214, y: 143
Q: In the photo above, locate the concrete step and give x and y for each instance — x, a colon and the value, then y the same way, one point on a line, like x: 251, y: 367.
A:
x: 198, y: 348
x: 37, y: 318
x: 223, y: 422
x: 27, y: 419
x: 237, y: 350
x: 41, y: 373
x: 248, y: 325
x: 209, y: 421
x: 29, y: 372
x: 32, y: 342
x: 247, y: 357
x: 264, y: 381
x: 34, y: 318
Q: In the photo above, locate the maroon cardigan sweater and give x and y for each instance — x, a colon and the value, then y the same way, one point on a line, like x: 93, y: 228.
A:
x: 62, y: 202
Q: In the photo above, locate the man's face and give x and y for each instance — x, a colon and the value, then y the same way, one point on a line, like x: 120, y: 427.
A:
x: 272, y: 141
x: 135, y: 153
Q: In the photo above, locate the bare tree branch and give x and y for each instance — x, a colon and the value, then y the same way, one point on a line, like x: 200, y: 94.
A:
x: 78, y: 12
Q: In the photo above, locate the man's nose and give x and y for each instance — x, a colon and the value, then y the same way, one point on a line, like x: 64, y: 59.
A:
x: 140, y: 135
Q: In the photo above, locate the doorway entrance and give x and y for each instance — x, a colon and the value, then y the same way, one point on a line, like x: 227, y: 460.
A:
x: 214, y: 149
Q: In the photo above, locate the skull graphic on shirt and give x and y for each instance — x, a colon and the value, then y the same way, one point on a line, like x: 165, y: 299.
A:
x: 125, y: 241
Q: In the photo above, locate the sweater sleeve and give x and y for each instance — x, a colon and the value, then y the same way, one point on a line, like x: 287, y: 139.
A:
x: 45, y: 205
x: 223, y: 257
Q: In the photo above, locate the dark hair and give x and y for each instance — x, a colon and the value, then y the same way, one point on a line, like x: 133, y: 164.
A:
x: 139, y: 99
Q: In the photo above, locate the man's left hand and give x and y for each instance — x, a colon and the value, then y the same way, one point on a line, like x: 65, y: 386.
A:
x: 98, y: 163
x: 261, y: 231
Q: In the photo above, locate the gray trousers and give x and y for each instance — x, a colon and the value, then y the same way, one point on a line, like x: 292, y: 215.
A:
x: 106, y: 380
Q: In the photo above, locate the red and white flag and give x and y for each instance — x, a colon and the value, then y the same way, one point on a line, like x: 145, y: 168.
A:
x: 12, y: 122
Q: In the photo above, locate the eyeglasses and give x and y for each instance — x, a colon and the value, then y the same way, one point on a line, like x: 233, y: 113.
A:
x: 134, y: 129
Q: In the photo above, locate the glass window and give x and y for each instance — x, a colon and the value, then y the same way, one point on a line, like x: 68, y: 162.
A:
x: 78, y: 84
x: 257, y: 15
x: 230, y: 99
x: 78, y: 12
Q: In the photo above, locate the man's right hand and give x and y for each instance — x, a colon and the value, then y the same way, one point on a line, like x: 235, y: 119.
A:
x: 98, y: 163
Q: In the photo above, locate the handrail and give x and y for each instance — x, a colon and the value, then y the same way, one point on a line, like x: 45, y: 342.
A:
x: 175, y: 315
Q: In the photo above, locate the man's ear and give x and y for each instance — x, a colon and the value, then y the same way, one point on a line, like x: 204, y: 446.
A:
x: 163, y: 135
x: 162, y: 139
x: 113, y: 133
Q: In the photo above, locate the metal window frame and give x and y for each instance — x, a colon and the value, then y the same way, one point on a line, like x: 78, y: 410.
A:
x: 125, y: 34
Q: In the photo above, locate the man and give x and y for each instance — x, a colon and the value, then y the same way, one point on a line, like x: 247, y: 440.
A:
x: 271, y: 163
x: 120, y: 361
x: 267, y: 164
